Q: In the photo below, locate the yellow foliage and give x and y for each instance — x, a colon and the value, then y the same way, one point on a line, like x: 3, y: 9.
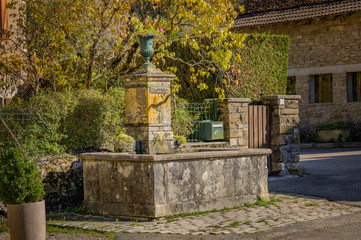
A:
x: 90, y: 43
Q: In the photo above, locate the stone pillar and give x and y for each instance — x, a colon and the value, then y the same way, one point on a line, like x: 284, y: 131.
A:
x: 285, y: 138
x: 148, y: 109
x: 234, y: 114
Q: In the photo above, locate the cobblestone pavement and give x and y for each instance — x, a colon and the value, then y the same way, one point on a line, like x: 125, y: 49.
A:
x: 248, y: 219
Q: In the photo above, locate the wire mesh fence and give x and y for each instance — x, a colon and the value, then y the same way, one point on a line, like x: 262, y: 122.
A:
x: 26, y: 128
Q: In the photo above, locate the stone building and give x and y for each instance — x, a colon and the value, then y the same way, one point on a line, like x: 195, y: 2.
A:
x: 324, y: 57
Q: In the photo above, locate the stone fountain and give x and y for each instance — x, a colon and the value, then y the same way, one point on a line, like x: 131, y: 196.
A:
x: 158, y: 182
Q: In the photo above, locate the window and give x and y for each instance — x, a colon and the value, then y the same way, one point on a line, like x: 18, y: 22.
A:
x: 4, y: 21
x: 291, y: 86
x: 321, y: 88
x: 354, y: 87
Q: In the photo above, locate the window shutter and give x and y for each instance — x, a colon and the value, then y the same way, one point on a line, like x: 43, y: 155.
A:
x: 4, y: 18
x: 312, y: 89
x: 349, y: 87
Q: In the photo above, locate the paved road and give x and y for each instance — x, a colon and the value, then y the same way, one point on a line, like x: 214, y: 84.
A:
x: 335, y: 174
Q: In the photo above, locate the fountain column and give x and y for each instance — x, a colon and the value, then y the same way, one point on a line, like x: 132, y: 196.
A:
x: 148, y: 105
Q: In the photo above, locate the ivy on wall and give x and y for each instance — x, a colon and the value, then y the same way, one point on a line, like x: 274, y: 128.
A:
x: 264, y: 68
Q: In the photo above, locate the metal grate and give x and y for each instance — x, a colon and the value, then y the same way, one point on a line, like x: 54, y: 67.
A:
x: 203, y: 111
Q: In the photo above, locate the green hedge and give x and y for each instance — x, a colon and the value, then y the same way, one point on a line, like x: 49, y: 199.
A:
x: 263, y: 70
x: 68, y: 121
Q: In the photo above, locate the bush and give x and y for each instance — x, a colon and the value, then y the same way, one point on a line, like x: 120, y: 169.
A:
x: 70, y: 121
x: 20, y: 179
x: 355, y: 131
x: 331, y: 126
x: 182, y: 119
x: 124, y: 143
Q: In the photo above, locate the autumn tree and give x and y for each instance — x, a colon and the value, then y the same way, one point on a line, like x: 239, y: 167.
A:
x: 30, y: 47
x: 84, y: 44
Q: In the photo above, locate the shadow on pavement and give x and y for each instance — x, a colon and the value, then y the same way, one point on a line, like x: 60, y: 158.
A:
x: 335, y: 174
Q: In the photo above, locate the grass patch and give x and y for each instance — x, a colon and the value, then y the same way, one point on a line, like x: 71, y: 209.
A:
x: 187, y: 214
x: 261, y: 220
x: 213, y: 226
x: 310, y: 204
x: 261, y: 202
x: 247, y: 223
x: 234, y: 224
x: 136, y: 224
x: 274, y: 200
x: 172, y: 220
x: 3, y: 229
x: 71, y: 230
x: 249, y: 205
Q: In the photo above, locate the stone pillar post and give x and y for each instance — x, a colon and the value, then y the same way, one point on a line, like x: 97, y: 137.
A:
x: 234, y: 114
x: 148, y: 109
x: 285, y: 138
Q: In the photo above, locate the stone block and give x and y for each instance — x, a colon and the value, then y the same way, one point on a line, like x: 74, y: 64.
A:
x: 286, y: 129
x: 236, y: 134
x: 159, y: 185
x: 279, y: 140
x: 235, y: 118
x: 277, y: 166
x: 289, y: 111
x: 233, y: 142
x: 242, y: 142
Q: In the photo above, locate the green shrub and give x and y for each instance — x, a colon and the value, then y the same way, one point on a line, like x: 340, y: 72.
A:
x: 180, y: 139
x: 124, y: 143
x: 182, y: 119
x: 70, y: 121
x: 355, y: 131
x: 20, y: 179
x: 331, y: 126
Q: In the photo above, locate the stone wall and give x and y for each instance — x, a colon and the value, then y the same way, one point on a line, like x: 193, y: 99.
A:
x: 62, y: 175
x: 168, y: 184
x: 63, y: 179
x: 320, y: 46
x: 234, y: 114
x: 285, y: 138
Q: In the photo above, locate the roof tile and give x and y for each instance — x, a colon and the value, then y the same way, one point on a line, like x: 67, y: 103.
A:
x: 299, y: 13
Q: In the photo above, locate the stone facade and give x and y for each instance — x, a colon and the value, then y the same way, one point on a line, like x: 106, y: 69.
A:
x: 168, y: 184
x: 285, y: 138
x: 327, y: 45
x: 234, y: 114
